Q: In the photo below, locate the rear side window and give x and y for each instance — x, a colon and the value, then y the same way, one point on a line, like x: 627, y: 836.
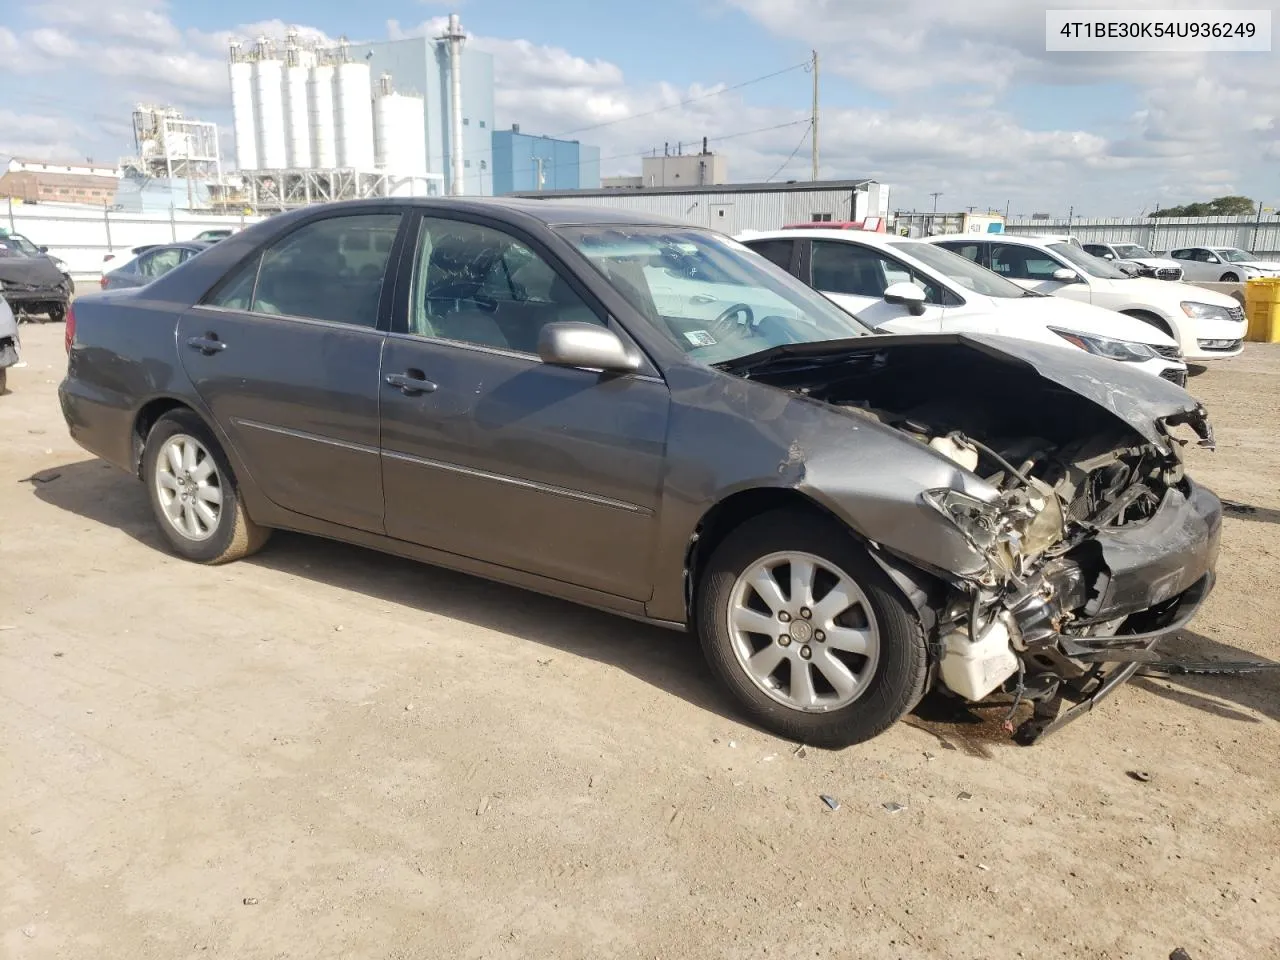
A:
x: 777, y: 251
x: 331, y: 269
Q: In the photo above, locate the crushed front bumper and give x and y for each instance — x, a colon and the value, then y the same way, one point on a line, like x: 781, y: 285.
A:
x: 1157, y: 576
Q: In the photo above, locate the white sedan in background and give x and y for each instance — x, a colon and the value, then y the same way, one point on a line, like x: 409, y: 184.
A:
x: 1223, y: 264
x: 1135, y: 259
x: 1207, y: 325
x: 898, y: 285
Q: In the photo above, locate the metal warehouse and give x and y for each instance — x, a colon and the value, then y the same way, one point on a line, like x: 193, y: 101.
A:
x: 731, y: 208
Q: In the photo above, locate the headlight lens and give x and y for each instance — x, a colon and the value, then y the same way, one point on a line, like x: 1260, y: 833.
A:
x: 59, y: 264
x: 1129, y: 351
x: 1204, y: 311
x: 978, y: 521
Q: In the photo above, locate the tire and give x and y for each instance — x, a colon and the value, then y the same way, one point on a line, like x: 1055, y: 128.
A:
x: 232, y: 534
x: 1228, y: 278
x: 890, y: 672
x: 57, y: 313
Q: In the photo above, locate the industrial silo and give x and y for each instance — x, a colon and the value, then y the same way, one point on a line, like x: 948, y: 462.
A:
x: 242, y: 109
x: 353, y: 113
x: 324, y: 147
x: 268, y: 104
x: 297, y: 124
x: 400, y: 143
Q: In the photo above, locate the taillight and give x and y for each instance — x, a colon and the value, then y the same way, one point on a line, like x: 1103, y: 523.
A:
x: 70, y: 333
x: 103, y: 282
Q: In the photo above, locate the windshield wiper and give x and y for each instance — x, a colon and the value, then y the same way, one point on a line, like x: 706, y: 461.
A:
x: 1033, y: 293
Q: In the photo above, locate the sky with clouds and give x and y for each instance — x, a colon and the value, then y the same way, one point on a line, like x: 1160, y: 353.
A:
x: 926, y: 95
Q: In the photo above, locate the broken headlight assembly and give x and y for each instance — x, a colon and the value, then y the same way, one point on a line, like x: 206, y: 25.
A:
x: 1129, y: 351
x: 987, y: 526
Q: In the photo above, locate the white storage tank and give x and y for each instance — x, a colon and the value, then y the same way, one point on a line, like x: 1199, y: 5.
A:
x: 353, y: 115
x: 297, y: 116
x: 242, y: 110
x: 268, y: 103
x: 324, y: 147
x: 400, y: 144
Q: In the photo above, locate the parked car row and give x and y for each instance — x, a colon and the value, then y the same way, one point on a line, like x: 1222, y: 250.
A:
x: 32, y: 282
x: 651, y: 419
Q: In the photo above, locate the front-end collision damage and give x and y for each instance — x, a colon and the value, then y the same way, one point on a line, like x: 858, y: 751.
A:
x: 1088, y: 540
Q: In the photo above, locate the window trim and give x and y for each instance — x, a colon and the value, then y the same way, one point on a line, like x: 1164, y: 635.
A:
x: 385, y: 296
x: 407, y: 266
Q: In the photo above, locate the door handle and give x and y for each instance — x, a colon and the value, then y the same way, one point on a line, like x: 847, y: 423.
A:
x: 209, y: 344
x: 412, y: 383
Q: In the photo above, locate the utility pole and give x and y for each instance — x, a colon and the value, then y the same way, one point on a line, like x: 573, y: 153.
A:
x: 814, y: 151
x: 935, y: 201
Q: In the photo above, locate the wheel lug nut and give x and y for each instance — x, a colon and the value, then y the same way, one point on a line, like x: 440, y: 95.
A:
x: 784, y: 640
x: 805, y: 653
x: 784, y: 617
x: 819, y: 635
x: 806, y: 612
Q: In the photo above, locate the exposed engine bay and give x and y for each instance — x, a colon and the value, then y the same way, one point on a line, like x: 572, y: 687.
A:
x: 1082, y: 541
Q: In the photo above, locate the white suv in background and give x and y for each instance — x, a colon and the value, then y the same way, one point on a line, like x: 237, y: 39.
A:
x: 898, y: 285
x: 1207, y: 325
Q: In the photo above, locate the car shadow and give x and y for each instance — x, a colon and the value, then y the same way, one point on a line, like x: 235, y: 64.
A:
x: 667, y: 659
x: 1219, y: 694
x: 1247, y: 511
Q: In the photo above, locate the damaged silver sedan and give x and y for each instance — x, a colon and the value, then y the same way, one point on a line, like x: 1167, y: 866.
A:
x: 653, y: 420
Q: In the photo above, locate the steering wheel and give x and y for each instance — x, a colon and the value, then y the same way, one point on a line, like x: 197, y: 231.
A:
x: 726, y: 323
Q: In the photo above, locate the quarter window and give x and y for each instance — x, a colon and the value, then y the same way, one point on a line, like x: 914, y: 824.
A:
x: 478, y: 285
x: 777, y: 251
x: 332, y: 269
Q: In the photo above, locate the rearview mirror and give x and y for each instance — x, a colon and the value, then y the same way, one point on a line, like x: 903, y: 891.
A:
x: 907, y: 295
x: 585, y: 345
x: 1063, y: 275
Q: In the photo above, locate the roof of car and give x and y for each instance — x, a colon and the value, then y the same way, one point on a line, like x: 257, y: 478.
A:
x: 870, y: 237
x: 549, y: 212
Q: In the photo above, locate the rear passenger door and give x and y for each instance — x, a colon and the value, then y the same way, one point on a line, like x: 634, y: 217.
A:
x: 491, y: 454
x: 285, y: 354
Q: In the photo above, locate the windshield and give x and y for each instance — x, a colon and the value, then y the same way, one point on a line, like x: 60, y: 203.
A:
x: 711, y: 296
x: 1129, y: 251
x: 961, y: 270
x: 1233, y: 254
x: 1093, y: 266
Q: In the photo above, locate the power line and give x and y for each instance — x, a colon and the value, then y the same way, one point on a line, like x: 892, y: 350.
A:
x: 684, y: 103
x: 803, y: 138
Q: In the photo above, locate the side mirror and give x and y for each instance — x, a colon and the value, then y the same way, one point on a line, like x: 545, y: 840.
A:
x: 587, y: 346
x: 1063, y: 275
x: 43, y: 249
x: 1212, y: 259
x: 907, y: 295
x: 1108, y: 256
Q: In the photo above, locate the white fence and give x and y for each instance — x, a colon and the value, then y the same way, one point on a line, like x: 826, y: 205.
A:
x: 82, y: 235
x: 1162, y: 234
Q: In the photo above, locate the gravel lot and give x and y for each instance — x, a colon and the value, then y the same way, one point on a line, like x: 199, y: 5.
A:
x: 327, y: 752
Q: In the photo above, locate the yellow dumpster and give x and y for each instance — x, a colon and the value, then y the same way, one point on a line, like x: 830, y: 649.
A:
x: 1262, y: 307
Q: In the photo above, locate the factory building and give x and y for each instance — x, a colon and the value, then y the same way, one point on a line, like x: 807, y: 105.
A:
x: 423, y: 65
x: 734, y: 207
x: 525, y: 162
x: 36, y: 181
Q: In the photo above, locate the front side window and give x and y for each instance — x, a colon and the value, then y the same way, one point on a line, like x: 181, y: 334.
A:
x: 1097, y: 250
x: 859, y: 271
x: 331, y: 269
x: 708, y: 294
x: 1022, y: 263
x: 478, y: 285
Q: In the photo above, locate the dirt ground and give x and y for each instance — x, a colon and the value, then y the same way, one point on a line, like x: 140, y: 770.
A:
x: 326, y: 752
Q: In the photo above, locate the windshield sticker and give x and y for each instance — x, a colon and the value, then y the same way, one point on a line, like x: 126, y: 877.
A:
x: 700, y: 338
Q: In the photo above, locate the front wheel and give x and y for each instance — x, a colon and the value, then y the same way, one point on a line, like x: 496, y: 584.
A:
x: 1229, y: 278
x: 194, y: 494
x: 807, y: 632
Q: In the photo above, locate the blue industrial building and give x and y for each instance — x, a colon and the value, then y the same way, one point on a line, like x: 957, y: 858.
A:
x: 526, y: 163
x: 420, y: 66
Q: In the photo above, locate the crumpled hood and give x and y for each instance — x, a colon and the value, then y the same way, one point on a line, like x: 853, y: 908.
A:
x: 31, y: 271
x: 1145, y: 403
x: 1160, y: 263
x: 1261, y: 264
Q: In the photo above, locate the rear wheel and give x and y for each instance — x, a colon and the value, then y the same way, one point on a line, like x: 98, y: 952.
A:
x: 194, y: 494
x: 57, y: 312
x: 807, y: 632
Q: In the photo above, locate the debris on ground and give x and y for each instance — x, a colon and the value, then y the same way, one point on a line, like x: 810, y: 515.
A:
x: 893, y: 807
x: 1140, y: 775
x: 964, y: 795
x: 484, y: 805
x: 42, y: 477
x: 800, y: 752
x: 28, y: 931
x: 250, y: 901
x: 831, y: 802
x: 1179, y: 954
x: 1232, y: 506
x: 733, y: 744
x: 57, y: 653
